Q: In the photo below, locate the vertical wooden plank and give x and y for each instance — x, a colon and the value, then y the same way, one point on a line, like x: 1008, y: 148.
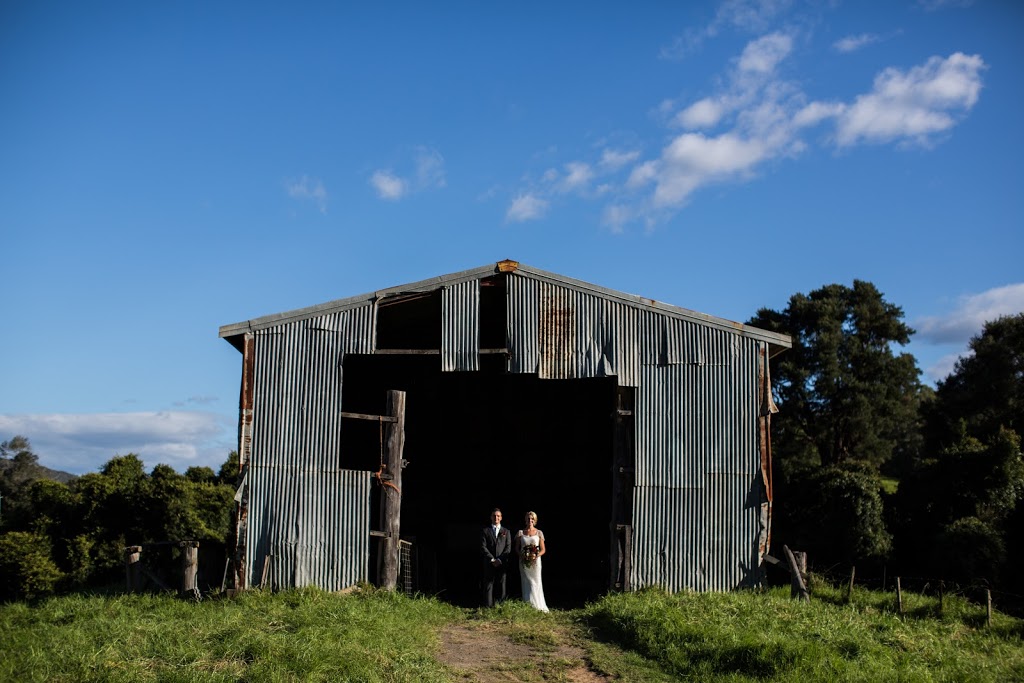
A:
x: 132, y: 568
x: 246, y: 400
x: 899, y: 596
x: 622, y: 485
x: 189, y: 568
x: 391, y: 492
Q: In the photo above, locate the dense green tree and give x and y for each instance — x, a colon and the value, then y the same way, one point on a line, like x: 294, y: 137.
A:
x: 985, y: 391
x: 843, y: 392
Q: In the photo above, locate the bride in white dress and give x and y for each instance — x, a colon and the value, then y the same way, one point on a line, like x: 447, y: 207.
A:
x: 533, y: 587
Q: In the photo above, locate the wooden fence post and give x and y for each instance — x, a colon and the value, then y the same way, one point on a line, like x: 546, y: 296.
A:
x: 899, y: 596
x: 189, y: 569
x: 391, y: 491
x: 133, y: 578
x: 849, y: 590
x: 942, y: 596
x: 988, y: 607
x: 798, y: 589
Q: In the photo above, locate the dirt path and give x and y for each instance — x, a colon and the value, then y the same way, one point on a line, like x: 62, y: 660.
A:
x: 486, y: 653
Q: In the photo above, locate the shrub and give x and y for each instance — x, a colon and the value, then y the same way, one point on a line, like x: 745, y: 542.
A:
x: 25, y: 563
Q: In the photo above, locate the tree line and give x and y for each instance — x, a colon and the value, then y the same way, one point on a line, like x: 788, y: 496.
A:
x: 68, y: 536
x: 871, y: 466
x: 875, y: 469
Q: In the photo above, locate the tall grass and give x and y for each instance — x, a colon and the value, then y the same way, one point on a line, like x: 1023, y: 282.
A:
x: 303, y: 635
x: 378, y: 636
x: 747, y: 636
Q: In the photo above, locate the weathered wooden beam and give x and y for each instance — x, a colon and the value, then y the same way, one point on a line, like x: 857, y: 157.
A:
x: 391, y: 491
x: 375, y: 418
x: 797, y: 585
x: 189, y: 568
x: 132, y: 573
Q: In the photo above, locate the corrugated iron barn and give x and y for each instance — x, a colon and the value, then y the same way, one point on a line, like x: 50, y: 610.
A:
x: 638, y: 431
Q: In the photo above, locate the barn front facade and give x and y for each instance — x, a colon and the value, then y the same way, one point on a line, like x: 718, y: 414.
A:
x: 637, y: 431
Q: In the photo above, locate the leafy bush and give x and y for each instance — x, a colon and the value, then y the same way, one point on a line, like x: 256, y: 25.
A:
x: 27, y: 569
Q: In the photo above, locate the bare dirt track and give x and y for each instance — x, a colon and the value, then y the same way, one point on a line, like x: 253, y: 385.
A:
x: 487, y: 653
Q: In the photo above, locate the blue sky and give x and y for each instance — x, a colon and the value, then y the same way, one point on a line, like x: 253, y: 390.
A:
x: 168, y: 168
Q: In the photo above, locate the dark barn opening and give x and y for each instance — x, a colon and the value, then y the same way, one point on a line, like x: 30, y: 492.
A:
x: 485, y: 439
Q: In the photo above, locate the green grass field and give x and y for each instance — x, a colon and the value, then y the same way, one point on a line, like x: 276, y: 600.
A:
x: 376, y: 636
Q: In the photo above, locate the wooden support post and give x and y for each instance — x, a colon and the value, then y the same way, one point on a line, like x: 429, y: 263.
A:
x: 391, y: 491
x: 132, y: 568
x: 799, y: 588
x: 801, y: 565
x: 266, y: 570
x: 189, y: 568
x: 942, y: 596
x: 988, y: 607
x: 899, y: 596
x: 849, y: 589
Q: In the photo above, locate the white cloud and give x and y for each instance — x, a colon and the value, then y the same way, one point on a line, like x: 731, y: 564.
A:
x: 816, y: 112
x: 913, y: 105
x: 388, y: 185
x: 970, y: 315
x: 751, y: 16
x: 578, y: 175
x: 854, y: 43
x: 703, y: 113
x: 764, y: 54
x: 693, y: 160
x: 428, y: 174
x: 308, y: 189
x: 613, y: 160
x: 81, y: 443
x: 526, y: 207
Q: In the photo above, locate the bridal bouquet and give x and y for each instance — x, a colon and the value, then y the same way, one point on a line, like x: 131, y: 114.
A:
x: 530, y: 554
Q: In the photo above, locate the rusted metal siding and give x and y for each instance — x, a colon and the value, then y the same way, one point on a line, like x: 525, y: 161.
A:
x: 460, y: 326
x: 306, y: 513
x: 563, y: 333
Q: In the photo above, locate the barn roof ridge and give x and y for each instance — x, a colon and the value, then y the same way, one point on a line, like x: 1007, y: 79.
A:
x: 431, y: 284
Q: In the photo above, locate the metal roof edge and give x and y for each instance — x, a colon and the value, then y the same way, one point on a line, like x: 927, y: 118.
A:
x: 235, y: 329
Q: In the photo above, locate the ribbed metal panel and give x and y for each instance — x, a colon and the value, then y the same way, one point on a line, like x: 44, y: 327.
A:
x: 307, y: 515
x: 523, y: 323
x: 563, y: 333
x: 697, y: 514
x: 460, y: 326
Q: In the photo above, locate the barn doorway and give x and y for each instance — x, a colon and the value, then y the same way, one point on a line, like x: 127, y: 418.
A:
x: 479, y: 440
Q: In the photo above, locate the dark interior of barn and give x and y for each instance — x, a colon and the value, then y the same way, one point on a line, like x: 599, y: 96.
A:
x: 484, y: 439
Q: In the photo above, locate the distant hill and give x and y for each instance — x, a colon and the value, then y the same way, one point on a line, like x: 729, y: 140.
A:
x: 45, y: 472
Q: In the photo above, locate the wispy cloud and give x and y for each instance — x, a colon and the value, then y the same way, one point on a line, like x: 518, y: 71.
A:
x: 757, y: 116
x: 970, y: 314
x: 935, y: 5
x: 854, y: 43
x: 525, y: 207
x: 748, y: 16
x: 966, y: 320
x: 388, y: 185
x: 913, y: 105
x: 80, y: 443
x: 308, y: 189
x: 428, y: 173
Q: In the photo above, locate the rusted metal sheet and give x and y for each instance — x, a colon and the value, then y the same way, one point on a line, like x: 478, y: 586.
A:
x: 460, y: 326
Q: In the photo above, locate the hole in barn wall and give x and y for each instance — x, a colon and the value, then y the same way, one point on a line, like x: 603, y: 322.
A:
x: 476, y: 440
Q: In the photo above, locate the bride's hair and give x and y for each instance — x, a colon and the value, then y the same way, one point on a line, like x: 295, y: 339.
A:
x: 532, y: 514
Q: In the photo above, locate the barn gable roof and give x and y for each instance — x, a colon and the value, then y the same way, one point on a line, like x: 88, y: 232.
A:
x: 234, y: 332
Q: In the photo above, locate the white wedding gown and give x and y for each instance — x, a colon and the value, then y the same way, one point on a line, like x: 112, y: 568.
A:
x: 533, y: 587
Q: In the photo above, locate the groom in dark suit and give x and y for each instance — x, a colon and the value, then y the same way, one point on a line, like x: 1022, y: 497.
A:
x: 495, y: 550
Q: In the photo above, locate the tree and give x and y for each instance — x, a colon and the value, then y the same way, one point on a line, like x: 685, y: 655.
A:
x: 986, y: 388
x: 20, y: 468
x: 843, y: 393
